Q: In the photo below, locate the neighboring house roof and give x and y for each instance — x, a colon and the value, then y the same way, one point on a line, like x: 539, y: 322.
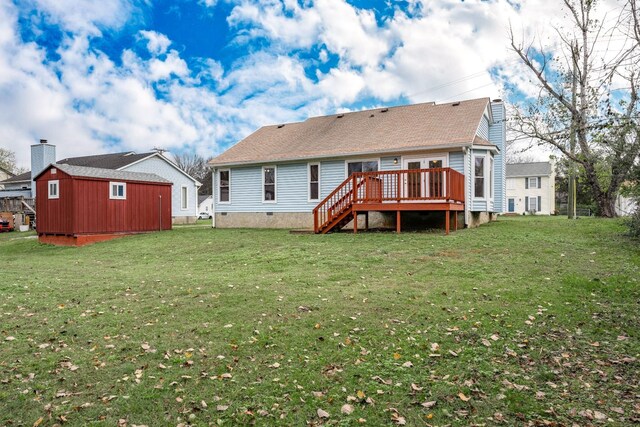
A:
x: 528, y: 169
x: 382, y: 130
x: 203, y: 198
x: 99, y: 173
x: 23, y: 177
x: 106, y: 161
x: 114, y: 161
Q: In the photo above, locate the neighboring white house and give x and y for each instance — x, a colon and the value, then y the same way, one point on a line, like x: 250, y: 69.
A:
x: 4, y: 174
x: 184, y: 193
x: 531, y: 188
x: 625, y: 206
x: 205, y: 204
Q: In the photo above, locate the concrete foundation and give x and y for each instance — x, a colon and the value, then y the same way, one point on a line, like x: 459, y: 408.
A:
x: 479, y: 218
x: 184, y: 219
x: 264, y: 220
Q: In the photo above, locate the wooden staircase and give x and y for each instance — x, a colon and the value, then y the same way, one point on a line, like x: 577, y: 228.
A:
x: 435, y: 189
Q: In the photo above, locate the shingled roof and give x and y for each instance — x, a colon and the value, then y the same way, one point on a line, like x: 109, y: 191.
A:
x: 106, y: 161
x: 528, y: 169
x: 90, y: 172
x: 23, y: 177
x: 382, y: 130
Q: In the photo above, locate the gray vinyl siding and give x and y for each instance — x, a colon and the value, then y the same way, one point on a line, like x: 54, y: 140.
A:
x: 456, y: 161
x: 332, y: 174
x: 167, y: 171
x: 386, y: 163
x: 483, y: 129
x: 497, y: 136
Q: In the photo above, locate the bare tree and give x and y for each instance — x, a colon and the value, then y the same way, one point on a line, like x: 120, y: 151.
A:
x: 588, y: 106
x: 8, y: 161
x: 192, y: 164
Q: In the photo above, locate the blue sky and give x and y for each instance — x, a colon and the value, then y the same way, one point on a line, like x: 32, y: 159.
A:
x: 97, y: 76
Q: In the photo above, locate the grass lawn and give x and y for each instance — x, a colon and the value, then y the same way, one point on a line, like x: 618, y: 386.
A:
x: 526, y: 321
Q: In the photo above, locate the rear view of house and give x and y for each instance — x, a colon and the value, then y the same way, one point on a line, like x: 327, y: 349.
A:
x: 326, y: 172
x: 531, y: 188
x: 79, y: 205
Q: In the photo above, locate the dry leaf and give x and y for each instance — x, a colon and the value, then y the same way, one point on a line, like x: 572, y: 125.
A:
x: 361, y: 394
x: 463, y: 397
x: 222, y: 407
x: 10, y: 338
x: 428, y: 404
x: 322, y: 414
x: 486, y: 342
x: 38, y: 422
x: 407, y: 364
x: 396, y: 356
x: 415, y: 387
x: 346, y: 409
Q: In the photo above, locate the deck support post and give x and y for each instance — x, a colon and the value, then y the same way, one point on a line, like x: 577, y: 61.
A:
x: 446, y: 221
x: 355, y: 222
x: 398, y: 223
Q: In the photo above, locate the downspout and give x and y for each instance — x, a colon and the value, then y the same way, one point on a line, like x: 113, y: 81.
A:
x: 467, y: 189
x: 213, y: 196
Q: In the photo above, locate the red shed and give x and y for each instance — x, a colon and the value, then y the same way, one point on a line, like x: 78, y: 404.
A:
x: 77, y: 205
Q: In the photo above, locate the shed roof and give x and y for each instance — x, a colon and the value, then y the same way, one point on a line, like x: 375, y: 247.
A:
x: 528, y: 169
x: 99, y: 173
x: 403, y: 128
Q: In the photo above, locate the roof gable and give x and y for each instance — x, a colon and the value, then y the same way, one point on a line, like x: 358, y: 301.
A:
x: 381, y: 130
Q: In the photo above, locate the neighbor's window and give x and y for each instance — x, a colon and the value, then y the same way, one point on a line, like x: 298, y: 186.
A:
x: 533, y: 182
x: 511, y: 184
x: 224, y: 186
x: 53, y: 189
x: 269, y: 183
x: 533, y: 204
x: 314, y: 181
x: 490, y: 177
x: 184, y: 197
x: 118, y: 190
x: 367, y: 166
x: 479, y: 176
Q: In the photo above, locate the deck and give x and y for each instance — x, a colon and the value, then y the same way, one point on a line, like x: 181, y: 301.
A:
x: 418, y: 190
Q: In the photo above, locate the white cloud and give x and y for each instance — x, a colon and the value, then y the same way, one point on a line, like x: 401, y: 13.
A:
x: 157, y: 43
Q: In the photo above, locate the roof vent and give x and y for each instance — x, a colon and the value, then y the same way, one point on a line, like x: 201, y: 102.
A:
x: 455, y: 104
x: 280, y: 126
x: 384, y: 110
x: 340, y: 116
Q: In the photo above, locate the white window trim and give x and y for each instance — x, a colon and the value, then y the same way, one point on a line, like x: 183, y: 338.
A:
x: 182, y: 206
x: 492, y: 177
x: 124, y: 190
x: 275, y: 184
x: 537, y: 209
x: 309, y: 181
x: 219, y: 192
x: 57, y: 183
x: 371, y: 159
x: 485, y: 178
x: 529, y: 182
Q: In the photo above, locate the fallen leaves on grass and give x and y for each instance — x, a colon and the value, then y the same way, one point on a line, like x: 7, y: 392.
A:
x: 322, y: 413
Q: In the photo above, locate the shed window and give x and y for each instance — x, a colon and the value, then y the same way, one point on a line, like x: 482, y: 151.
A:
x: 367, y: 166
x: 269, y: 184
x: 184, y: 197
x: 224, y: 186
x: 118, y: 190
x: 314, y: 181
x: 54, y: 189
x: 478, y: 174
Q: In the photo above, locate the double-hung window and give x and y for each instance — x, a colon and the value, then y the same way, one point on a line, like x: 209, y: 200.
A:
x: 184, y: 197
x: 478, y: 177
x: 118, y: 190
x: 314, y: 181
x: 53, y: 187
x: 224, y: 186
x: 269, y: 184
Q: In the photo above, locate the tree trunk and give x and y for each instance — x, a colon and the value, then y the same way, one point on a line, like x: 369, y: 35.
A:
x: 606, y: 205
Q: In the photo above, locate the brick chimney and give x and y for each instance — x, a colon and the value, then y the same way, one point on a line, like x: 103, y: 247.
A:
x: 42, y: 155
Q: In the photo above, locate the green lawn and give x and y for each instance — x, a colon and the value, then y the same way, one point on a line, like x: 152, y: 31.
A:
x: 526, y: 321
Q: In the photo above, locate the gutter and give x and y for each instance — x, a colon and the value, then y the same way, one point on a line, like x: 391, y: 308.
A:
x: 214, y: 164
